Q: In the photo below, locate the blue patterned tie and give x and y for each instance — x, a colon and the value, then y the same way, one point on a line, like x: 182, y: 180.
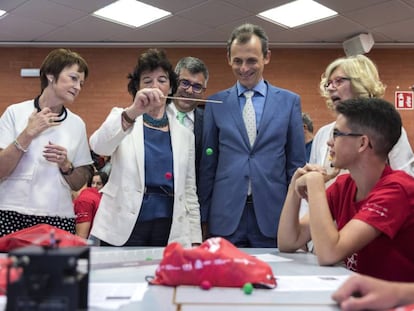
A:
x: 249, y: 117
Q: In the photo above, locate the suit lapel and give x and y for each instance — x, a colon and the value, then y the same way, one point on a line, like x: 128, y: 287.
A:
x: 269, y: 109
x: 233, y: 100
x: 177, y: 143
x: 198, y: 132
x: 137, y: 136
x: 198, y: 122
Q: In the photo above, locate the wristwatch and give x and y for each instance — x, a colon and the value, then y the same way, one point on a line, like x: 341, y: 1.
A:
x: 69, y: 171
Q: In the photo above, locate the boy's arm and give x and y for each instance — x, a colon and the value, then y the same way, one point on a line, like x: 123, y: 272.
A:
x: 331, y: 245
x: 293, y: 233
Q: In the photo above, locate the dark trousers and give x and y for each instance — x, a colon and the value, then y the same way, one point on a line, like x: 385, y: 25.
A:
x: 248, y: 233
x: 148, y: 233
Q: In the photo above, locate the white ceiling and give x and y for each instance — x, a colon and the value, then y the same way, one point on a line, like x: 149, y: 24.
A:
x: 200, y: 23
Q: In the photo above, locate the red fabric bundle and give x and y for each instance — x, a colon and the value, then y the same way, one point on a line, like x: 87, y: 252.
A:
x: 216, y: 261
x: 41, y: 235
x: 404, y: 308
x: 15, y: 273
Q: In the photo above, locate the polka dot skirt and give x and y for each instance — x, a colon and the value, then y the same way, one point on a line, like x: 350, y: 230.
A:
x: 11, y: 222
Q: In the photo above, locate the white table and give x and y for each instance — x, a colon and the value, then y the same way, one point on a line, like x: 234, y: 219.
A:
x: 134, y: 266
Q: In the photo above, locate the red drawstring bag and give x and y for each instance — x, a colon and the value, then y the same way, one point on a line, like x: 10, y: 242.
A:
x: 41, y: 235
x: 15, y: 273
x: 216, y: 261
x: 403, y: 308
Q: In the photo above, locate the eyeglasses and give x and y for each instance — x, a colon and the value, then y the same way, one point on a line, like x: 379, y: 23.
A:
x: 185, y: 84
x: 337, y: 133
x: 336, y: 82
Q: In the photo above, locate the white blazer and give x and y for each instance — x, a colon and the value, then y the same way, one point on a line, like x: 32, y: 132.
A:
x: 123, y: 194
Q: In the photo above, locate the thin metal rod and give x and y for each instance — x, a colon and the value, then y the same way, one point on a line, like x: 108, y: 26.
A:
x: 195, y: 99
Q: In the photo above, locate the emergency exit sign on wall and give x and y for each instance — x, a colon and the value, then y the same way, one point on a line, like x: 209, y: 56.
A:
x: 404, y: 100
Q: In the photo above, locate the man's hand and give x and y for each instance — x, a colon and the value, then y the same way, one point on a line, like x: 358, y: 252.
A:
x: 362, y: 292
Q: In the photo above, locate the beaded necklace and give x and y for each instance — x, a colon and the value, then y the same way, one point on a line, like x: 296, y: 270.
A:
x: 63, y: 114
x: 158, y: 123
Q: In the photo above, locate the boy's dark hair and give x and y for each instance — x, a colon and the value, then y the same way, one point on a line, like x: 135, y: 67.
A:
x: 374, y: 117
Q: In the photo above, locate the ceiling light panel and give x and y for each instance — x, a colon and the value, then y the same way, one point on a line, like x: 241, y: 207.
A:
x: 297, y: 13
x: 131, y: 13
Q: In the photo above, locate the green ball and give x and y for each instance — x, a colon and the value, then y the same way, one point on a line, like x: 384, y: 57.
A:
x: 209, y: 151
x: 248, y: 288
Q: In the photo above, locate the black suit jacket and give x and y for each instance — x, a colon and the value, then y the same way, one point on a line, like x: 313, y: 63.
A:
x: 198, y: 133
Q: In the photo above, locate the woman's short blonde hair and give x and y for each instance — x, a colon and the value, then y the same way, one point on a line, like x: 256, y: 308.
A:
x: 363, y: 74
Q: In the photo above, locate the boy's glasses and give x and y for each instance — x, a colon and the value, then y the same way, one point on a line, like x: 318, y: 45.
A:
x: 337, y: 133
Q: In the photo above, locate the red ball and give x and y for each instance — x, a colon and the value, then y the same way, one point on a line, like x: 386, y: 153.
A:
x: 168, y: 175
x: 206, y: 285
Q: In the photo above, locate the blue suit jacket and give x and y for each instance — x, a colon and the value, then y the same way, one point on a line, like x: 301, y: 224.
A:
x: 278, y: 151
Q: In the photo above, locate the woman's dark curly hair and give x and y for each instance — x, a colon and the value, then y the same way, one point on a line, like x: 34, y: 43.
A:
x: 149, y: 61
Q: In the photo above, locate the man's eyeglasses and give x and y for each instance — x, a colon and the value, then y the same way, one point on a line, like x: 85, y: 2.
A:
x: 185, y: 84
x: 336, y: 82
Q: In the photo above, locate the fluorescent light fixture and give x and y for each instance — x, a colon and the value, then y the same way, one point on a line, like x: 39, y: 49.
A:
x: 30, y: 72
x: 2, y: 12
x: 130, y: 13
x: 297, y: 13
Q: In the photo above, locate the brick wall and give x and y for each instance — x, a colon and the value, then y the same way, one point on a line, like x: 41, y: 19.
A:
x: 296, y: 69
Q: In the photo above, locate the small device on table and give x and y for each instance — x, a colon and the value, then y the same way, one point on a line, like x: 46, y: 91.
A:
x: 52, y: 278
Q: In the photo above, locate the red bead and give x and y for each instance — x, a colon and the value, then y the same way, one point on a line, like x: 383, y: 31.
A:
x: 168, y: 175
x: 206, y: 285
